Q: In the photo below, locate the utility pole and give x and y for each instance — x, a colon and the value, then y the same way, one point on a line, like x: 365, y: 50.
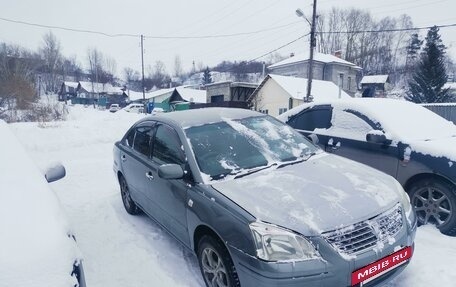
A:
x: 312, y: 47
x: 142, y: 69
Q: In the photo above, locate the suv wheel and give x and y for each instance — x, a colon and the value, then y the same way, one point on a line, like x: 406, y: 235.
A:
x: 434, y: 201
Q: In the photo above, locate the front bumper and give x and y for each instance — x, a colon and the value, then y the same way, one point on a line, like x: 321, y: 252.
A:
x: 332, y: 270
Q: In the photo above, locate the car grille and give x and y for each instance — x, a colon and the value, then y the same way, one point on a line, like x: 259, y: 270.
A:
x: 366, y: 235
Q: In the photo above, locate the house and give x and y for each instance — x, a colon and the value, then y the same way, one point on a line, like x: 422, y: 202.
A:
x: 229, y: 94
x: 67, y: 91
x: 277, y: 94
x: 374, y: 85
x: 100, y: 94
x: 170, y: 99
x: 326, y: 67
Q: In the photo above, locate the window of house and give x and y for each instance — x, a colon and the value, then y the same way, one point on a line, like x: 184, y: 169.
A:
x: 282, y: 110
x: 142, y: 139
x: 217, y: 99
x: 167, y: 147
x: 349, y: 79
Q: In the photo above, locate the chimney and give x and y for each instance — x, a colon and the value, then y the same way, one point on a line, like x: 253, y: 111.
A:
x: 291, y: 55
x: 338, y: 54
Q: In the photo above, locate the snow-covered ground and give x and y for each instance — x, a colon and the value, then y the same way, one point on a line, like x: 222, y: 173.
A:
x: 124, y: 250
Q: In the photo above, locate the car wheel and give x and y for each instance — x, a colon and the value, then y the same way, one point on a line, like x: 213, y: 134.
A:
x: 215, y: 263
x: 434, y: 201
x: 129, y: 204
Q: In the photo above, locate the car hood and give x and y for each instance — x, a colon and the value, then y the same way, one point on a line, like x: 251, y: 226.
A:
x: 444, y: 147
x: 323, y: 193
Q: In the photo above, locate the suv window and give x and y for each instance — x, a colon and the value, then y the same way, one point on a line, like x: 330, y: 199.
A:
x: 349, y: 125
x: 167, y: 147
x: 142, y: 139
x: 314, y: 118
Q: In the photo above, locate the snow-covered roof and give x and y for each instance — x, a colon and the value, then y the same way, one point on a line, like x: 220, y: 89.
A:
x: 71, y: 84
x: 192, y: 95
x: 318, y: 57
x: 297, y: 88
x: 100, y: 88
x: 375, y: 79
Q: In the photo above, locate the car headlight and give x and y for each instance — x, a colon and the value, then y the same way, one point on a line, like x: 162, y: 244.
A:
x: 278, y: 244
x: 405, y: 198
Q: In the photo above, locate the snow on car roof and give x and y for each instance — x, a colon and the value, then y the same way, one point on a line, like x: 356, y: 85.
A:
x: 403, y: 120
x: 197, y: 117
x: 34, y: 246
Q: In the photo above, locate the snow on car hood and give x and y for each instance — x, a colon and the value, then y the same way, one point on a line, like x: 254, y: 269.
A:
x: 34, y: 244
x: 324, y: 193
x: 444, y: 147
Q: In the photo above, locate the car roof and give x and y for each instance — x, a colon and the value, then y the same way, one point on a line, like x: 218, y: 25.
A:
x: 197, y: 117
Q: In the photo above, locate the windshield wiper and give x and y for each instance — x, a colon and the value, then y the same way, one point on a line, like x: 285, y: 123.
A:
x: 242, y: 174
x: 298, y: 160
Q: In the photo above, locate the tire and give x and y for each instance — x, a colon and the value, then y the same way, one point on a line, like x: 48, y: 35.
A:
x: 215, y: 263
x: 128, y: 203
x: 434, y: 201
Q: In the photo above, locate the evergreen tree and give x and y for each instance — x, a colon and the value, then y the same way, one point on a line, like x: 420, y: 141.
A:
x: 207, y: 79
x: 430, y: 75
x: 414, y: 46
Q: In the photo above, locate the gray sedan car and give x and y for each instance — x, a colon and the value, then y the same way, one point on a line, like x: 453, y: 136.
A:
x: 262, y: 206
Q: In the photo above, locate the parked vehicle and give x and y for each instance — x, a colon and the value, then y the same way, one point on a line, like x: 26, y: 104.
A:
x: 402, y: 139
x: 134, y: 108
x: 114, y: 108
x: 260, y: 205
x: 36, y: 244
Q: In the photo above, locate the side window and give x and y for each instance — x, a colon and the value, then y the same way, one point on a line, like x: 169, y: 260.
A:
x: 349, y: 125
x: 130, y: 137
x: 313, y: 118
x: 167, y: 147
x: 142, y: 140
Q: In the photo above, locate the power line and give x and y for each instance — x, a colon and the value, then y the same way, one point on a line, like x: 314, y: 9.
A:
x: 150, y: 37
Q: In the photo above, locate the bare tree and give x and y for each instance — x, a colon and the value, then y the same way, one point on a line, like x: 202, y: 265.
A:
x: 51, y: 54
x: 177, y: 66
x: 95, y: 61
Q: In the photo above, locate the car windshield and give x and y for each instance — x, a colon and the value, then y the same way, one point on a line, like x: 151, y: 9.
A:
x: 238, y: 147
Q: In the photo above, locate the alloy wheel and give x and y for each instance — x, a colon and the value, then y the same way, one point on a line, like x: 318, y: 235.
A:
x: 214, y: 270
x: 432, y: 206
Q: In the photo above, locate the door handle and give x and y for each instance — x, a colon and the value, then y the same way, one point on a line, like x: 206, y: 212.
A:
x: 149, y: 175
x: 123, y: 158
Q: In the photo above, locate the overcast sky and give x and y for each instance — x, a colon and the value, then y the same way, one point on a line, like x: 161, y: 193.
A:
x: 194, y: 18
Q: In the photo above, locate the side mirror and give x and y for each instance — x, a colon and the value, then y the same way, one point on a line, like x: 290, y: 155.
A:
x: 55, y: 173
x: 378, y: 137
x: 170, y: 171
x: 313, y: 138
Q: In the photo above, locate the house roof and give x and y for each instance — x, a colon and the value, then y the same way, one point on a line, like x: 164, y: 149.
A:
x: 374, y: 79
x: 318, y: 57
x: 297, y: 88
x: 192, y: 95
x: 71, y: 84
x: 100, y: 88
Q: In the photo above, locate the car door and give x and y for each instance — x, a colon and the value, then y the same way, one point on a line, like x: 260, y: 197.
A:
x: 135, y: 156
x: 347, y: 137
x: 167, y: 199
